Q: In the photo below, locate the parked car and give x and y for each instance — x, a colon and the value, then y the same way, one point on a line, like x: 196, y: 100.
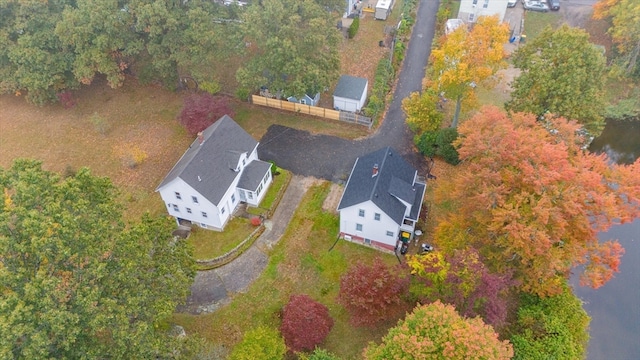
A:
x: 512, y: 3
x: 554, y: 4
x: 535, y: 6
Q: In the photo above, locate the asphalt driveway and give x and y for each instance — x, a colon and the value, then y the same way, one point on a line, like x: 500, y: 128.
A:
x: 331, y: 158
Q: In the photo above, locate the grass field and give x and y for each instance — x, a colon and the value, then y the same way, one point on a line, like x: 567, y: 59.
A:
x: 299, y: 264
x: 535, y: 22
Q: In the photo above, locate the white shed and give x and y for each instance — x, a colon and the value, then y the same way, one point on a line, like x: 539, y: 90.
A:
x: 350, y: 93
x: 383, y: 9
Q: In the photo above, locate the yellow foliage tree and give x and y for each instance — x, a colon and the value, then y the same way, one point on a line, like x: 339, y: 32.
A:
x: 466, y: 59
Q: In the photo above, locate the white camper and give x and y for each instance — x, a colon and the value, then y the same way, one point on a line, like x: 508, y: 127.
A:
x: 383, y: 9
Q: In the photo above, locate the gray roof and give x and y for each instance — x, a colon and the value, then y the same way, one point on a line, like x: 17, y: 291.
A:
x: 350, y: 87
x: 394, y: 181
x: 207, y: 167
x: 253, y: 174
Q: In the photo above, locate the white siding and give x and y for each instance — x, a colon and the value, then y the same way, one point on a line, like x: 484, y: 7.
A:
x: 494, y: 7
x: 168, y: 195
x: 371, y: 228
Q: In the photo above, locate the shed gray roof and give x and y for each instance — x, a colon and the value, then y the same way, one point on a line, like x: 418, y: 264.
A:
x: 394, y: 181
x: 350, y: 87
x: 253, y: 174
x: 207, y: 167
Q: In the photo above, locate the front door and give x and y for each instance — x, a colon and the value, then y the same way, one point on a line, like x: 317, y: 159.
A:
x: 242, y: 196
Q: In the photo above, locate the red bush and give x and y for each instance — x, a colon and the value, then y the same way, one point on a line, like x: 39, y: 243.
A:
x: 305, y: 323
x: 373, y: 293
x: 66, y: 99
x: 199, y: 111
x: 256, y: 221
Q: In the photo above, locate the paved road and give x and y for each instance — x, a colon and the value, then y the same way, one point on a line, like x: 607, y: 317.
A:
x: 320, y: 156
x: 331, y: 158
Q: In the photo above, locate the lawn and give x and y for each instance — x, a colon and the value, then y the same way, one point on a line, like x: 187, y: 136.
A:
x: 535, y: 22
x: 211, y: 244
x: 299, y: 264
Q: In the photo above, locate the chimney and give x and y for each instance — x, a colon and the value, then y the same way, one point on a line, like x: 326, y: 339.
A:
x: 375, y: 170
x: 200, y: 138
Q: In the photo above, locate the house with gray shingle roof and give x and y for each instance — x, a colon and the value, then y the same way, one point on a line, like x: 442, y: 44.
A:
x: 381, y: 201
x: 218, y: 171
x: 350, y: 93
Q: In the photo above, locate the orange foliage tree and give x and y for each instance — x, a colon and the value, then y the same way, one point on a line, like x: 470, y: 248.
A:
x: 531, y: 200
x: 437, y: 331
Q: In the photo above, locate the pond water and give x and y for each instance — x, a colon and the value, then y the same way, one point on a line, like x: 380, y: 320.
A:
x: 615, y: 307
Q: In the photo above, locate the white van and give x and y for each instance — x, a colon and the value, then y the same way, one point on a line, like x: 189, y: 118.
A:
x: 512, y: 3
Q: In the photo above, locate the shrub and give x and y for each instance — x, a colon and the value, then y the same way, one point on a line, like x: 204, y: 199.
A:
x: 427, y: 143
x: 374, y: 293
x: 353, y: 29
x: 381, y: 86
x: 201, y: 110
x: 210, y: 87
x: 243, y: 94
x: 445, y: 145
x: 256, y: 221
x: 626, y: 109
x: 66, y: 99
x: 99, y: 123
x: 305, y: 323
x: 260, y: 343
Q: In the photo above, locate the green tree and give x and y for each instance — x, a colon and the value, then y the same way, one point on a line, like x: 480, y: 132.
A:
x: 32, y: 58
x: 625, y: 28
x: 100, y: 31
x: 260, y: 343
x: 555, y: 327
x: 293, y: 47
x: 77, y: 283
x: 466, y: 59
x: 436, y: 331
x: 562, y: 74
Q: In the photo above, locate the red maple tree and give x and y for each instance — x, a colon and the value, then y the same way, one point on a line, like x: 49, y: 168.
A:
x: 305, y: 323
x: 199, y: 111
x: 529, y: 198
x: 373, y: 293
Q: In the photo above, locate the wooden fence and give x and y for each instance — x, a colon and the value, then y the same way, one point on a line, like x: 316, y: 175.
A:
x: 313, y: 110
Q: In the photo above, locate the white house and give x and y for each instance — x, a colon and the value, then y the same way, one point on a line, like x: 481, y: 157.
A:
x: 470, y: 10
x: 219, y: 171
x: 382, y: 199
x: 350, y: 93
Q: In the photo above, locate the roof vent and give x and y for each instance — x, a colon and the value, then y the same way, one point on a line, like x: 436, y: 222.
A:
x: 375, y: 170
x: 199, y: 179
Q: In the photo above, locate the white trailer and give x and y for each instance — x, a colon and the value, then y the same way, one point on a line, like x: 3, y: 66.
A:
x: 383, y: 9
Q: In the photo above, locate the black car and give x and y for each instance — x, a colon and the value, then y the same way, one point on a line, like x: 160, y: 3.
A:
x: 554, y: 5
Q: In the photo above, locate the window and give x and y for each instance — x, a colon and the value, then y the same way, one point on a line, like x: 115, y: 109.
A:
x: 250, y: 195
x: 176, y: 208
x: 259, y: 190
x: 188, y: 210
x: 472, y: 17
x: 376, y: 217
x: 367, y: 241
x: 390, y: 233
x: 222, y: 210
x: 268, y: 176
x: 358, y: 227
x: 204, y: 214
x: 361, y: 212
x: 303, y: 101
x: 194, y: 199
x: 233, y: 198
x: 178, y: 196
x: 486, y: 4
x: 168, y: 205
x: 475, y: 2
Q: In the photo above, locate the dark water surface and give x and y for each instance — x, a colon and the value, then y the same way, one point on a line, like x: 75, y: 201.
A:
x: 615, y: 307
